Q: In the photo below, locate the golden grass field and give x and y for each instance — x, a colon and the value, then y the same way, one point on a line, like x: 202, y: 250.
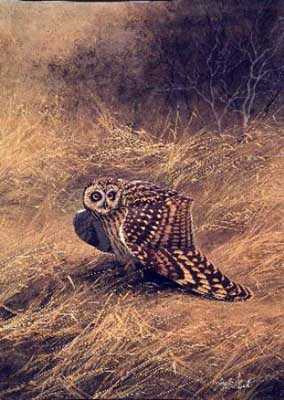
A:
x: 69, y: 332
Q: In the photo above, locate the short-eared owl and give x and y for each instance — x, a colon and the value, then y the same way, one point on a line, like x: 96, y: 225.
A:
x: 142, y: 223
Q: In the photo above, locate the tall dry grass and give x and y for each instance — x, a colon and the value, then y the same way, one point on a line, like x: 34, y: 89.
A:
x: 70, y: 332
x: 70, y: 325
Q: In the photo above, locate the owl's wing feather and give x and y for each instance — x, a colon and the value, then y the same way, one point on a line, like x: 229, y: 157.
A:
x: 159, y: 235
x: 194, y: 272
x: 162, y: 223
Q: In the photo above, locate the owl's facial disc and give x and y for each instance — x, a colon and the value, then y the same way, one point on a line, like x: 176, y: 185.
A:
x: 101, y: 198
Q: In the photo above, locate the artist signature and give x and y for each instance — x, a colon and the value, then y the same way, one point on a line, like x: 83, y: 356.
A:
x: 234, y: 383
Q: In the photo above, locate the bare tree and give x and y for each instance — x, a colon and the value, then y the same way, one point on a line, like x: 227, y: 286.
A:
x: 238, y: 76
x: 263, y: 78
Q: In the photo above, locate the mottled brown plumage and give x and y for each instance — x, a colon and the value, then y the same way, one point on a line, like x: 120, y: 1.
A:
x: 144, y: 223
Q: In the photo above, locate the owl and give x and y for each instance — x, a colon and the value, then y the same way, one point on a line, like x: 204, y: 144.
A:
x: 140, y: 222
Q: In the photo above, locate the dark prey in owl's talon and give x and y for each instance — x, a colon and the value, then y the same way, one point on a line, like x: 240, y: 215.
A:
x: 91, y: 231
x: 146, y: 225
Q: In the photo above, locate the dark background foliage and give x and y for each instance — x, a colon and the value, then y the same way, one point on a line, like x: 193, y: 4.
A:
x: 194, y: 61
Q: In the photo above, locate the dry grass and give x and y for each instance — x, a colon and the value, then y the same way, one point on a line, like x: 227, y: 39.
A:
x: 67, y: 331
x: 70, y: 326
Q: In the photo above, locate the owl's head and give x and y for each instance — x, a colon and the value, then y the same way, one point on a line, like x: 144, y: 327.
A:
x: 103, y: 195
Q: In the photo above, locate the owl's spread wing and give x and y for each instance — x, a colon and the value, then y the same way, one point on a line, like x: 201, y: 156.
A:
x: 164, y: 224
x: 194, y: 272
x: 159, y: 235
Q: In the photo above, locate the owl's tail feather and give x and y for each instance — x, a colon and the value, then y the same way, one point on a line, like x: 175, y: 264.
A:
x: 193, y: 271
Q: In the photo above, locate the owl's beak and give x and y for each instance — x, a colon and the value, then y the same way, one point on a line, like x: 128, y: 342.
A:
x: 105, y: 205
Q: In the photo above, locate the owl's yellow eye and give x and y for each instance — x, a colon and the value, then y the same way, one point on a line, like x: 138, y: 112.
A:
x: 111, y: 195
x: 96, y: 196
